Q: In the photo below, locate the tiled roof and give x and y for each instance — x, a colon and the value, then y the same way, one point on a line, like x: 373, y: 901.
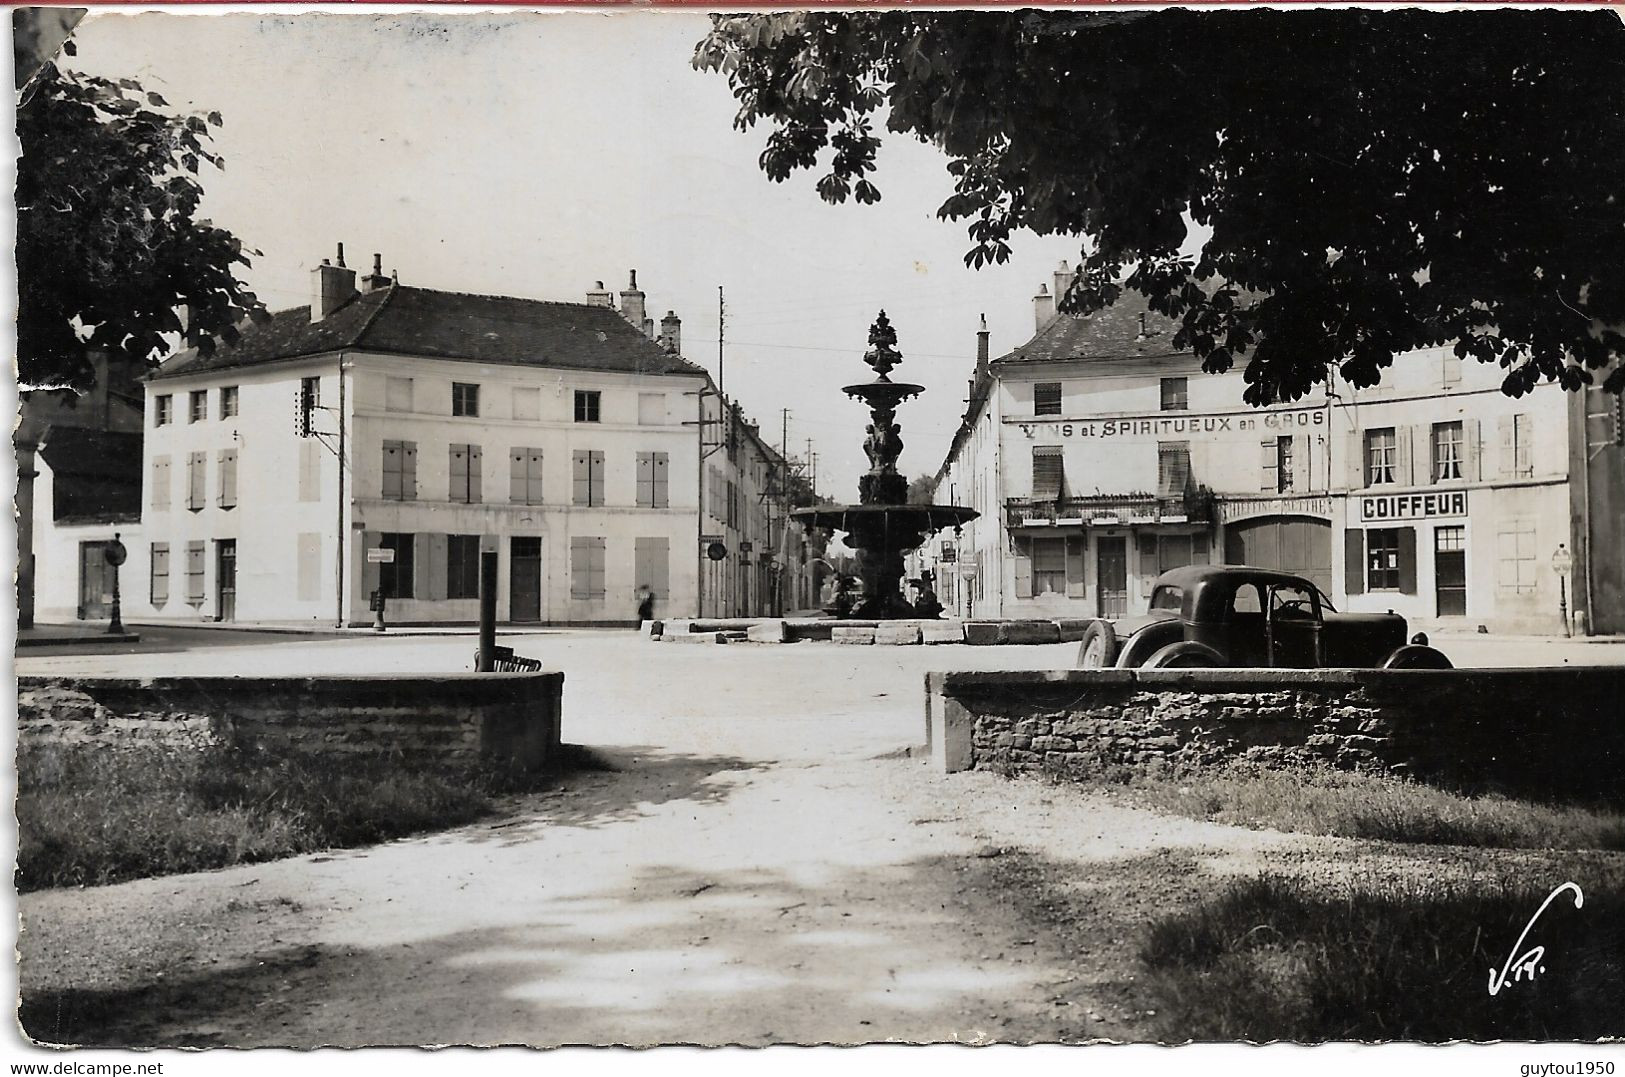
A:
x: 448, y: 325
x: 1112, y: 333
x: 96, y: 474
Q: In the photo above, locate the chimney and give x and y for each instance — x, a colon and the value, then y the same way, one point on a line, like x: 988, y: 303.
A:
x: 331, y: 286
x: 632, y: 303
x: 1043, y: 306
x: 376, y: 279
x: 649, y: 327
x: 599, y: 296
x: 981, y: 344
x: 671, y: 333
x: 1063, y: 283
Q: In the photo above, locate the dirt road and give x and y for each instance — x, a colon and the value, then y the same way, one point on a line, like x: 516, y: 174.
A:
x: 754, y: 875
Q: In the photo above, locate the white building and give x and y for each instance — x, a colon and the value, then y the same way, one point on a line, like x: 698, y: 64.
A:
x: 1099, y: 457
x: 558, y: 434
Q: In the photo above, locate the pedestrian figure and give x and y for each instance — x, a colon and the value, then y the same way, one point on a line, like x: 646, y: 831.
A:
x: 646, y: 603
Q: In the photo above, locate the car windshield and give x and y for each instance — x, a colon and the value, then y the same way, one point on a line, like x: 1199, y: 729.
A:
x: 1168, y: 597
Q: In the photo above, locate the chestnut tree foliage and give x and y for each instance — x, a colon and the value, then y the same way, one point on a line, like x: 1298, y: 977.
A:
x: 108, y: 244
x: 1372, y: 181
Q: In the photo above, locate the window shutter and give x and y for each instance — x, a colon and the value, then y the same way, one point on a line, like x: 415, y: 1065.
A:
x: 1075, y: 547
x: 646, y: 482
x: 160, y: 573
x: 310, y: 473
x: 476, y: 484
x: 429, y: 561
x: 1267, y: 461
x: 160, y: 482
x: 390, y: 476
x: 1354, y: 561
x: 1472, y: 456
x: 369, y: 569
x: 1147, y: 544
x: 1024, y: 568
x: 228, y: 478
x: 661, y: 489
x: 409, y: 470
x: 595, y: 462
x: 1048, y: 476
x: 1508, y: 437
x: 1421, y: 439
x: 582, y: 487
x: 518, y: 486
x: 1356, y: 467
x: 1524, y: 437
x: 1407, y: 560
x: 196, y: 467
x: 1404, y: 456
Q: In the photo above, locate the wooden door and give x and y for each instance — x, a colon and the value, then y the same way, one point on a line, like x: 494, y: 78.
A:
x: 525, y: 578
x: 1111, y: 576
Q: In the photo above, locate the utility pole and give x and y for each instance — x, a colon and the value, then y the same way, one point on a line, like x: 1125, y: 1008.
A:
x: 784, y: 433
x: 722, y: 323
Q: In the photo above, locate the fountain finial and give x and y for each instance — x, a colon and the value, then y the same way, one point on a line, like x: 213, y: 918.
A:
x: 883, y: 355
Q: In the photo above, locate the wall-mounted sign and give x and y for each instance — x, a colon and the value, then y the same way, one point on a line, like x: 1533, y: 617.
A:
x: 377, y: 555
x: 716, y: 551
x: 1413, y: 506
x: 1283, y: 421
x: 1231, y: 510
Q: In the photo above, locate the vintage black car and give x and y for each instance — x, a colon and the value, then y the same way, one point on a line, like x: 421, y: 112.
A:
x: 1237, y: 615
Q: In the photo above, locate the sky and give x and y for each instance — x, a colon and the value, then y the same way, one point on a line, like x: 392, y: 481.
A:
x: 532, y: 154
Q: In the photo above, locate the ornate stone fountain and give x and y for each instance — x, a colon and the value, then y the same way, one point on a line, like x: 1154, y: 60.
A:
x: 883, y: 527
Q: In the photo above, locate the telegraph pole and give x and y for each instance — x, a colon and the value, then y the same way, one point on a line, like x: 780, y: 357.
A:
x: 721, y: 325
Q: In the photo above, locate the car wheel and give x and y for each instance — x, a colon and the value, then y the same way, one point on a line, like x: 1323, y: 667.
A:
x: 1099, y: 647
x: 1413, y: 656
x: 1185, y: 655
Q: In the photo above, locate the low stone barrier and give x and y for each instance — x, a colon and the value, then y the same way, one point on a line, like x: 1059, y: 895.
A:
x: 468, y: 719
x: 1547, y: 733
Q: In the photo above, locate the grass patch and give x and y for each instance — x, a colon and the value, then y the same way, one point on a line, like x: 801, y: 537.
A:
x: 1276, y: 958
x: 1320, y: 800
x: 93, y: 815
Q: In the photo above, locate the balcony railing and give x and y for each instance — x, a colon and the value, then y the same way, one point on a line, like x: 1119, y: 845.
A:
x: 1195, y: 505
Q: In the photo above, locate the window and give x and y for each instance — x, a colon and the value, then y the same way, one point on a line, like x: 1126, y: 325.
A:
x: 1450, y: 370
x: 228, y: 401
x: 732, y: 518
x: 397, y: 394
x: 586, y: 568
x: 587, y: 405
x: 1173, y: 468
x: 465, y: 483
x: 652, y: 489
x: 465, y: 399
x: 1047, y: 398
x: 160, y: 483
x: 462, y: 566
x: 163, y: 410
x: 195, y: 559
x: 1049, y: 473
x: 197, y: 464
x: 1516, y: 442
x: 1277, y: 464
x: 1049, y: 566
x: 1380, y: 456
x: 525, y: 476
x: 228, y: 478
x: 395, y: 577
x: 587, y: 472
x: 400, y: 471
x: 527, y: 404
x: 310, y: 398
x: 1175, y: 394
x: 1382, y: 559
x: 1515, y: 556
x: 1447, y: 442
x: 160, y: 573
x: 651, y: 409
x: 198, y: 406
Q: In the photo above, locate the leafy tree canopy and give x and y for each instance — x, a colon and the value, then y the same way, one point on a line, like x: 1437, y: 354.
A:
x: 921, y: 488
x: 107, y: 243
x: 1373, y: 181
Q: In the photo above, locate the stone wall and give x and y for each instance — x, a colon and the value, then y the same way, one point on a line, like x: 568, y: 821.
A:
x: 1535, y: 732
x: 467, y: 719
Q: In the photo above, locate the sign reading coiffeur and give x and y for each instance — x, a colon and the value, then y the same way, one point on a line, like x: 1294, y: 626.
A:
x: 1413, y: 506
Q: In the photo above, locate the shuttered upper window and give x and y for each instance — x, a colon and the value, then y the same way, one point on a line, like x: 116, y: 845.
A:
x: 1047, y: 398
x: 400, y: 470
x: 652, y: 484
x: 525, y: 476
x: 1049, y: 477
x: 1173, y: 468
x: 465, y: 481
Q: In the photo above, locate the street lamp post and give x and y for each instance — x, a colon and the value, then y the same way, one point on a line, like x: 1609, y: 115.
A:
x: 115, y: 553
x: 1562, y: 561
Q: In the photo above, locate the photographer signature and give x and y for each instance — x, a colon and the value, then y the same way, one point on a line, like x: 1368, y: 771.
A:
x: 1520, y: 963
